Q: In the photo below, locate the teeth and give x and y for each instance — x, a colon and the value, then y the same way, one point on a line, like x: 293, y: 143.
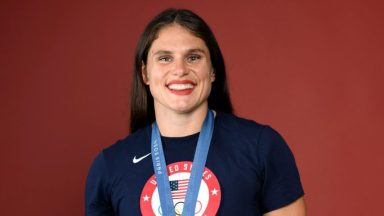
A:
x: 180, y: 86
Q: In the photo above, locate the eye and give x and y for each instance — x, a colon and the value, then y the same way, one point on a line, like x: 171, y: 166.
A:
x: 193, y: 58
x: 165, y: 59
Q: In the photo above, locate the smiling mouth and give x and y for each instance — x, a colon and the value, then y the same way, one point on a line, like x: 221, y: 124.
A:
x: 180, y: 87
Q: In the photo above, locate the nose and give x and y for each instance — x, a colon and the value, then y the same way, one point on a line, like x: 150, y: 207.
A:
x: 180, y: 67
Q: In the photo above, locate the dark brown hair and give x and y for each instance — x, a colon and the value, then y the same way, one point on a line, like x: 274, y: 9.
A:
x: 142, y: 108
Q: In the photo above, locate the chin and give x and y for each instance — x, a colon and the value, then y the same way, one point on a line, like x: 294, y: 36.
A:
x: 182, y: 110
x: 187, y: 108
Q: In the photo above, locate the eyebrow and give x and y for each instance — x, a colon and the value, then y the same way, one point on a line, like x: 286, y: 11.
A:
x: 167, y: 52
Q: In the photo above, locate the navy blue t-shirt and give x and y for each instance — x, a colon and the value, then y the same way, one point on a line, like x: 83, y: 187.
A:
x: 250, y: 170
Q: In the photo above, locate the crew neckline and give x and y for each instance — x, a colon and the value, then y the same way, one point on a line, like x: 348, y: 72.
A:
x: 179, y: 140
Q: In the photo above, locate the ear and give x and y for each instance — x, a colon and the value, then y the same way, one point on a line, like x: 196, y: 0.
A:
x: 213, y: 75
x: 144, y: 73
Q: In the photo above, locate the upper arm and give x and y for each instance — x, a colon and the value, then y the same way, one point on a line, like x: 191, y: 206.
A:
x: 97, y: 189
x: 297, y: 208
x: 281, y: 180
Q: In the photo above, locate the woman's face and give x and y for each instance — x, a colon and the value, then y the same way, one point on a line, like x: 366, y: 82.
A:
x: 178, y: 71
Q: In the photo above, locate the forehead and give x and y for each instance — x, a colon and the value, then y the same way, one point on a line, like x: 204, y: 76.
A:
x: 177, y: 38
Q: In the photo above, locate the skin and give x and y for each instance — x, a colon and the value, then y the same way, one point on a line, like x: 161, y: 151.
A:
x: 179, y: 56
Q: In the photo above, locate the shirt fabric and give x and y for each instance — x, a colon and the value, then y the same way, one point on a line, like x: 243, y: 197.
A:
x: 250, y: 170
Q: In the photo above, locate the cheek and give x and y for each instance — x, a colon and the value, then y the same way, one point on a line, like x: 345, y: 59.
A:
x: 151, y: 75
x: 155, y: 81
x: 208, y: 75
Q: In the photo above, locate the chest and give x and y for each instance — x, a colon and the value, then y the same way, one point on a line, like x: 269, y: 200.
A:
x: 230, y: 183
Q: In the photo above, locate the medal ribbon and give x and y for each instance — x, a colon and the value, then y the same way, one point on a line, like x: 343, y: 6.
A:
x: 198, y: 165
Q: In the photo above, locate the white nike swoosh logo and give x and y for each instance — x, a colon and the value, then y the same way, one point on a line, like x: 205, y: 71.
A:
x: 137, y: 160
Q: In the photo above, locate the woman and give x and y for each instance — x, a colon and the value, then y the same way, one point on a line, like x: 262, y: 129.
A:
x: 187, y: 154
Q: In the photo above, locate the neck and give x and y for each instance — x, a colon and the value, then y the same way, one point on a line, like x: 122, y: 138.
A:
x: 173, y: 124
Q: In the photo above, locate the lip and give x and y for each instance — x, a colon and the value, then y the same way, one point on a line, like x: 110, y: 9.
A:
x: 184, y: 91
x: 181, y: 82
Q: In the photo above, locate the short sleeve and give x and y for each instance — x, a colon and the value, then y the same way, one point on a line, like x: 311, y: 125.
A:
x: 281, y: 181
x: 97, y: 190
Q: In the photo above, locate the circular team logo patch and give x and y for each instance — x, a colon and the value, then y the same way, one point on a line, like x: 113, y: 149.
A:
x: 208, y: 200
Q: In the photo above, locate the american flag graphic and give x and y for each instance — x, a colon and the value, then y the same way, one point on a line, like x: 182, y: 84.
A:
x: 179, y: 188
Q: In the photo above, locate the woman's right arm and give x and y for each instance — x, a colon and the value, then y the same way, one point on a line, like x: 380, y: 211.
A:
x: 97, y: 191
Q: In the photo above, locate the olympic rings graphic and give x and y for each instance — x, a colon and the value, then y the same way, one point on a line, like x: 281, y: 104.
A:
x: 179, y: 208
x: 180, y: 205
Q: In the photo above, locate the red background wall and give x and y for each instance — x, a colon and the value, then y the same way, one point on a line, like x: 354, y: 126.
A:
x: 311, y: 69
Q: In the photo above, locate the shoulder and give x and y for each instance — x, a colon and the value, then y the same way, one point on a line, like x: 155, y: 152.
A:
x: 123, y: 151
x: 232, y: 124
x: 248, y: 134
x: 134, y: 140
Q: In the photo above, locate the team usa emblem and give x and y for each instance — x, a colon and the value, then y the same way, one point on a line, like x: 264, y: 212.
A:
x: 208, y: 200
